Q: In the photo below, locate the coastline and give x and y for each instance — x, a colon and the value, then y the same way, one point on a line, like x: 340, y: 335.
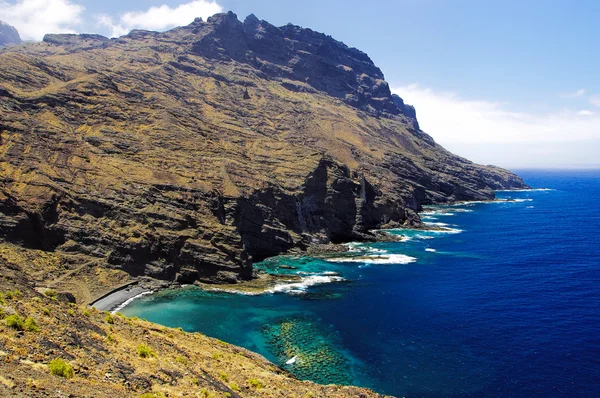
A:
x: 118, y: 298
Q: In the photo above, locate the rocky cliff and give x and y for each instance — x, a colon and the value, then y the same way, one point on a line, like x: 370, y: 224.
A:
x: 8, y: 35
x: 190, y: 153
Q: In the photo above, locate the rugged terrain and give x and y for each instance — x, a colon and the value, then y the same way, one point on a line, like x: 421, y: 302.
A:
x: 114, y: 356
x: 188, y: 154
x: 8, y: 35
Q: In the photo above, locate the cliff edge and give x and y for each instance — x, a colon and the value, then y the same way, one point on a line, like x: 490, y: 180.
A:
x: 189, y: 154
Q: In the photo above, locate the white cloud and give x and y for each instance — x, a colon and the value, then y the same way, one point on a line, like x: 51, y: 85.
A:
x: 160, y: 18
x: 34, y: 18
x: 595, y: 100
x: 485, y: 130
x: 575, y: 94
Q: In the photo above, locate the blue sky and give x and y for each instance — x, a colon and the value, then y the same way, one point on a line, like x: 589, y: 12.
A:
x: 514, y: 83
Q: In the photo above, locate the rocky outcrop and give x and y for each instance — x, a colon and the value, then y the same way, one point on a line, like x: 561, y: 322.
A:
x: 8, y: 35
x: 189, y: 154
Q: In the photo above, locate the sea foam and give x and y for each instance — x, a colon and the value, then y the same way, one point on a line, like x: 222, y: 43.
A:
x: 376, y: 259
x: 129, y: 301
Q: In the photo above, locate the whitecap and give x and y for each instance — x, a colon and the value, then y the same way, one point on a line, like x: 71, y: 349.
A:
x: 430, y: 250
x: 527, y: 190
x: 304, y: 284
x: 289, y: 287
x: 387, y: 259
x: 437, y: 224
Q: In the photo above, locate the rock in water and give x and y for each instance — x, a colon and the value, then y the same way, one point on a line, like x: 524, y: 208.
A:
x: 143, y: 153
x: 8, y: 35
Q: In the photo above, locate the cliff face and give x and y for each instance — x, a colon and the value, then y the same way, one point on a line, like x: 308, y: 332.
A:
x: 188, y: 154
x: 8, y: 35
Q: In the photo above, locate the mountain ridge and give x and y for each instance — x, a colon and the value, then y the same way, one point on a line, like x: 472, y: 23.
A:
x: 9, y: 35
x: 188, y: 154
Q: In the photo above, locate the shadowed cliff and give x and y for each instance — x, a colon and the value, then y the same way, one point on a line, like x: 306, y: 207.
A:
x: 190, y: 153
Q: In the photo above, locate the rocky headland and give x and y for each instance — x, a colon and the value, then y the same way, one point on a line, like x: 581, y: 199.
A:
x: 184, y: 157
x: 189, y: 154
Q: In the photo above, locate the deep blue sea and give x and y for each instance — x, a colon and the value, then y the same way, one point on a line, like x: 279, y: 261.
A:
x: 504, y: 303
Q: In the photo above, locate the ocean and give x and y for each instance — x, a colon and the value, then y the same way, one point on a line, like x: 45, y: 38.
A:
x: 505, y: 302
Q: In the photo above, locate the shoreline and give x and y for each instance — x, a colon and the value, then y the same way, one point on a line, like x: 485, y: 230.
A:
x: 116, y: 299
x: 265, y: 283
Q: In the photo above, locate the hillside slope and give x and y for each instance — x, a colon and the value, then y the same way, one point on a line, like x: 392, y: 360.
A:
x: 190, y: 153
x: 114, y: 356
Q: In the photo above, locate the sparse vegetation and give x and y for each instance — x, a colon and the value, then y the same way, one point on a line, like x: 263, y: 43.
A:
x: 181, y: 359
x: 223, y: 376
x: 71, y: 312
x: 14, y: 294
x: 109, y: 319
x: 53, y: 294
x: 144, y: 351
x: 15, y: 321
x: 86, y: 313
x: 234, y: 386
x: 31, y: 325
x: 46, y: 311
x: 59, y: 367
x: 256, y: 383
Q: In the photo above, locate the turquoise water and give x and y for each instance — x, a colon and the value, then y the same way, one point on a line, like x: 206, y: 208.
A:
x: 504, y: 303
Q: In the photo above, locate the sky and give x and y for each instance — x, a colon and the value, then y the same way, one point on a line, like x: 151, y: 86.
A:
x: 513, y: 83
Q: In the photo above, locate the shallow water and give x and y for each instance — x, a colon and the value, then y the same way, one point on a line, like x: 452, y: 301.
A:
x: 505, y: 303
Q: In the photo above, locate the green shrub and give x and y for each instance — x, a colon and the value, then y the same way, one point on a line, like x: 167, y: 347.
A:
x: 9, y: 295
x: 196, y: 382
x: 223, y: 376
x: 256, y: 383
x: 15, y: 321
x: 109, y: 319
x: 58, y: 367
x: 234, y: 386
x: 111, y: 338
x: 2, y: 301
x: 153, y: 395
x: 53, y: 294
x: 204, y: 393
x: 144, y: 351
x: 227, y: 394
x: 31, y: 325
x: 71, y: 312
x: 46, y: 311
x: 182, y: 360
x: 86, y: 313
x: 36, y: 299
x: 2, y: 313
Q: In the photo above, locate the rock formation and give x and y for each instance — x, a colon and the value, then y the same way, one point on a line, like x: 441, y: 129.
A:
x: 191, y: 153
x: 8, y: 35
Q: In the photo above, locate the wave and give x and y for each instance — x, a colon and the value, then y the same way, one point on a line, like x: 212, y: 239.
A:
x: 527, y: 190
x: 430, y: 250
x: 489, y: 202
x: 387, y: 259
x: 357, y: 247
x: 437, y: 224
x: 291, y: 287
x: 302, y: 286
x: 129, y: 301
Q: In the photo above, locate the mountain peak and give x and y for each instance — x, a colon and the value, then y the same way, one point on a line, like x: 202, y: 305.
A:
x: 9, y: 35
